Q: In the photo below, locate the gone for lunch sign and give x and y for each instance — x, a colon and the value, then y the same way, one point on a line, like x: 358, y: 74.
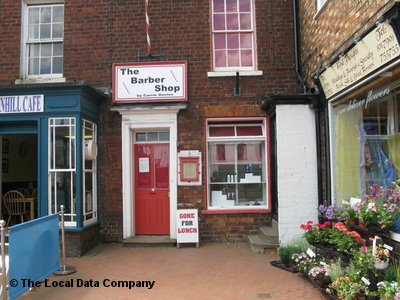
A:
x: 150, y: 81
x: 187, y: 226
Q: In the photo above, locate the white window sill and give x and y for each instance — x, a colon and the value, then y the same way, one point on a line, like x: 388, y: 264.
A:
x: 40, y: 80
x: 233, y: 73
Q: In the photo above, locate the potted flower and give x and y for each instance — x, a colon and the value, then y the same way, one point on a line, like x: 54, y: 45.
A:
x: 304, y: 262
x: 316, y: 233
x: 381, y: 256
x: 333, y: 212
x: 319, y: 274
x: 388, y: 290
x: 368, y: 213
x: 344, y: 240
x: 387, y: 214
x: 345, y: 288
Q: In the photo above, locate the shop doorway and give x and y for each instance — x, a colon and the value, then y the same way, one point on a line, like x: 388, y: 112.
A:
x: 19, y: 155
x: 152, y: 188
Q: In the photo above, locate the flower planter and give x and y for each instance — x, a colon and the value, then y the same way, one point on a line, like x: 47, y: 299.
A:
x: 382, y: 265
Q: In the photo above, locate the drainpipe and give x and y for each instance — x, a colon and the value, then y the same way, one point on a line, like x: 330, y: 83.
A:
x: 297, y: 48
x: 316, y: 104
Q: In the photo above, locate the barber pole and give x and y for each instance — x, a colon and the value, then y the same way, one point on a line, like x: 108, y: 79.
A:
x: 148, y: 27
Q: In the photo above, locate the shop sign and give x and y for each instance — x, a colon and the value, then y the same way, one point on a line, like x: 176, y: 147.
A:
x: 377, y: 48
x: 150, y: 81
x: 21, y: 104
x: 371, y: 96
x: 187, y: 226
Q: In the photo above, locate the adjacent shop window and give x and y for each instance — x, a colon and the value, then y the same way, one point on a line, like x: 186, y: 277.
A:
x: 89, y: 135
x: 43, y: 40
x: 62, y: 167
x: 233, y: 35
x: 365, y: 142
x: 237, y: 164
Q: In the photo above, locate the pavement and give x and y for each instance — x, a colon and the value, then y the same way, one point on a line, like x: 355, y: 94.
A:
x: 214, y: 271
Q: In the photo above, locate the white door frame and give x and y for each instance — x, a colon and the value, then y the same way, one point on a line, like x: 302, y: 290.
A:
x: 139, y: 118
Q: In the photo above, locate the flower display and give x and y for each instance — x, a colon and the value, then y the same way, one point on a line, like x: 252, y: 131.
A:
x: 345, y: 287
x: 320, y: 273
x: 344, y: 240
x: 388, y: 289
x: 380, y: 253
x: 304, y: 262
x: 316, y: 233
x: 332, y: 212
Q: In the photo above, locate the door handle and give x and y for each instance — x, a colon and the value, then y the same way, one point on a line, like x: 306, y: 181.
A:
x: 153, y: 191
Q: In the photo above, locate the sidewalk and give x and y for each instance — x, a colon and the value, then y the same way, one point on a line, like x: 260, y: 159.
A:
x: 214, y: 271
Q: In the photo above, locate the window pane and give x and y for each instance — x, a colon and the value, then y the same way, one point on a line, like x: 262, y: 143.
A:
x: 233, y: 41
x: 219, y: 6
x: 220, y: 41
x: 34, y: 50
x: 219, y: 22
x: 231, y: 6
x: 233, y: 58
x: 46, y: 49
x: 140, y: 137
x: 245, y: 21
x: 232, y: 22
x: 57, y: 31
x: 161, y: 161
x: 57, y: 49
x: 45, y: 66
x: 58, y: 14
x: 33, y: 17
x: 249, y: 131
x: 45, y: 31
x: 57, y: 65
x: 164, y: 136
x: 222, y: 131
x: 33, y: 32
x: 220, y: 58
x: 152, y: 136
x: 246, y: 40
x: 45, y: 16
x: 144, y: 155
x: 33, y: 67
x: 244, y: 5
x: 246, y: 57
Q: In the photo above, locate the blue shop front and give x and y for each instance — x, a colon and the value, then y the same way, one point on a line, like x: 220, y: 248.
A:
x: 48, y: 137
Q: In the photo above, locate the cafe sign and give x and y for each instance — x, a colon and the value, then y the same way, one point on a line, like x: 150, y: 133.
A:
x: 377, y: 48
x: 150, y: 81
x: 21, y: 104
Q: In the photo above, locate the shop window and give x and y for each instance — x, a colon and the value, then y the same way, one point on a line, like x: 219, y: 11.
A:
x: 89, y: 151
x: 365, y: 142
x: 233, y: 35
x: 62, y: 167
x: 237, y: 170
x: 43, y: 34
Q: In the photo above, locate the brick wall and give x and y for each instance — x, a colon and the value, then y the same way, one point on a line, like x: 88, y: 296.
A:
x: 101, y: 32
x: 326, y: 34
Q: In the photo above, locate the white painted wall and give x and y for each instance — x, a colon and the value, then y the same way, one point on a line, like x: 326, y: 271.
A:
x: 297, y: 169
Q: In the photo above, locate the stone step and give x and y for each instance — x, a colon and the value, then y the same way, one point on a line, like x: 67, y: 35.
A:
x: 258, y: 243
x: 270, y: 234
x: 149, y: 241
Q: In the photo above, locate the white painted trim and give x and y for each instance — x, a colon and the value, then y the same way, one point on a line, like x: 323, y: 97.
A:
x: 142, y: 119
x: 233, y: 73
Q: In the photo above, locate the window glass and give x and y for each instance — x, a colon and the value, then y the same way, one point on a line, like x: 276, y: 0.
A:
x: 236, y: 168
x: 89, y: 190
x: 233, y: 35
x: 45, y: 25
x: 62, y: 171
x: 365, y: 142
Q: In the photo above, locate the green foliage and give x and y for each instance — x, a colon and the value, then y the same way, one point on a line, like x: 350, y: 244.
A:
x: 286, y: 252
x: 390, y: 273
x: 336, y: 270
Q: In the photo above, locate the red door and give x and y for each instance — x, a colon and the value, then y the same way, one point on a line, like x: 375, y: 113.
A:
x: 152, y: 188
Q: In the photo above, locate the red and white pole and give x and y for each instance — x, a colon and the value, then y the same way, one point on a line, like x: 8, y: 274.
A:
x: 147, y: 27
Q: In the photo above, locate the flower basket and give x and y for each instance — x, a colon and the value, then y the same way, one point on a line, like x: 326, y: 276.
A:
x: 382, y: 265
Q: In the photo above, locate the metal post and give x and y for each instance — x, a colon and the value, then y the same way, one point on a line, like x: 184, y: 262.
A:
x: 64, y: 270
x: 3, y: 261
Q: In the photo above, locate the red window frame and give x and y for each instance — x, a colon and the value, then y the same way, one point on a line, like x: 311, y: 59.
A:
x: 233, y: 35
